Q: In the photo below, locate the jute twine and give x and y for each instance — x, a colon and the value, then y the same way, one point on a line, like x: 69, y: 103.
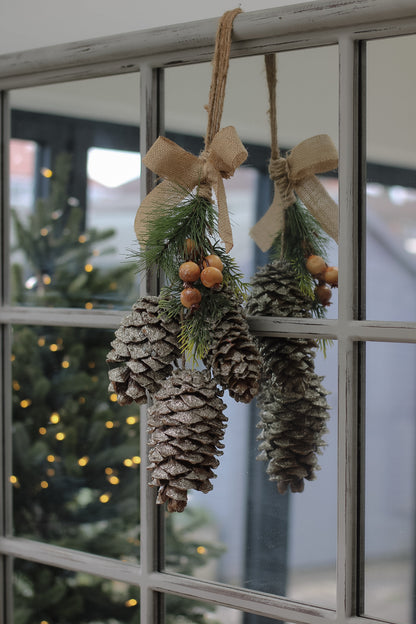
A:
x: 295, y: 175
x: 215, y: 107
x: 182, y: 171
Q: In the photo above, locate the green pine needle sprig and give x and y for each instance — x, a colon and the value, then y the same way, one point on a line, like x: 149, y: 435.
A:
x: 303, y: 236
x: 170, y: 228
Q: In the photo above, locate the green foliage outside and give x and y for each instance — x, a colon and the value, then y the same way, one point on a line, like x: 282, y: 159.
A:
x: 75, y: 451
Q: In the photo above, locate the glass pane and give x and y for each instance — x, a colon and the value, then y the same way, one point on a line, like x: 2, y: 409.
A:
x: 75, y: 451
x: 391, y: 188
x: 47, y: 595
x: 390, y: 482
x: 181, y: 610
x: 75, y: 193
x: 245, y: 533
x: 113, y: 187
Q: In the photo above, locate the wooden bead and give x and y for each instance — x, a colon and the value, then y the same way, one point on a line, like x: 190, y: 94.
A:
x: 315, y: 265
x: 324, y: 294
x: 189, y: 271
x: 213, y: 261
x: 211, y: 276
x: 190, y: 297
x: 330, y: 276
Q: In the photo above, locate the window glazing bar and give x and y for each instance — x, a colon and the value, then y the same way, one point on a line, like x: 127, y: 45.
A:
x: 265, y: 605
x: 381, y: 331
x: 151, y: 523
x: 321, y: 16
x: 350, y: 310
x: 69, y: 559
x: 6, y: 608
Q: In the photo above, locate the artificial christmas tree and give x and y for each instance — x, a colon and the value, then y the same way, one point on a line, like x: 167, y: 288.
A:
x: 75, y: 451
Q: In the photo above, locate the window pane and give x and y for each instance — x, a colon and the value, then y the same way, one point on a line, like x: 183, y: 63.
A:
x: 184, y: 611
x: 391, y: 188
x: 75, y: 451
x: 113, y: 189
x: 390, y: 482
x: 47, y: 595
x: 245, y: 533
x: 72, y: 235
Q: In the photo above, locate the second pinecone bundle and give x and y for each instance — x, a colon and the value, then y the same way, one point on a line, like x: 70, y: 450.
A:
x: 292, y: 401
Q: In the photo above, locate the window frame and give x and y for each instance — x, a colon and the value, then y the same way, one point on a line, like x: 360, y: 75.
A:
x: 288, y: 28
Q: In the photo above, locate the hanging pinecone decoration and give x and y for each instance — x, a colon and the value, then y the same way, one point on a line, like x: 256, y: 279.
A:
x: 142, y: 352
x: 234, y: 357
x: 292, y: 427
x: 186, y: 426
x: 292, y: 402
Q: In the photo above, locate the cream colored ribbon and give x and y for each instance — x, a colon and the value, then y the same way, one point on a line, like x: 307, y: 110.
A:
x: 183, y: 171
x: 296, y: 174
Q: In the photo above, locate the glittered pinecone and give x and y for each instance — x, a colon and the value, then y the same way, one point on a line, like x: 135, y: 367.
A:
x: 292, y: 426
x: 234, y: 356
x: 275, y: 292
x: 293, y: 407
x: 186, y: 426
x: 142, y: 352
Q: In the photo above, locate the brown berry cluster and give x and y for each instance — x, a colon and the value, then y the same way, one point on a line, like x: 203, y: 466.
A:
x: 208, y: 271
x: 327, y: 277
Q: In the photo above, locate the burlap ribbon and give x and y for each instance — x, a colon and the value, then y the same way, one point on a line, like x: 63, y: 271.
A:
x: 183, y: 171
x: 296, y: 174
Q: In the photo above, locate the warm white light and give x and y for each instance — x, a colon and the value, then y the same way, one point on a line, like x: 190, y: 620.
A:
x: 410, y: 245
x: 374, y: 189
x: 112, y: 168
x: 398, y: 195
x: 31, y: 282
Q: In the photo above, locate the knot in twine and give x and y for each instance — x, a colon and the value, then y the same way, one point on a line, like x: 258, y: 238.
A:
x: 279, y: 173
x: 295, y: 175
x: 183, y: 171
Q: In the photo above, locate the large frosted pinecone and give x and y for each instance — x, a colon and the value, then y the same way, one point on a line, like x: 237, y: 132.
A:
x: 186, y: 426
x: 234, y: 356
x: 143, y: 350
x: 292, y: 401
x: 292, y: 426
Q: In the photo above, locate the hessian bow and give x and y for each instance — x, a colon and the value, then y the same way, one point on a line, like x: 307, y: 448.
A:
x: 296, y: 174
x: 183, y: 171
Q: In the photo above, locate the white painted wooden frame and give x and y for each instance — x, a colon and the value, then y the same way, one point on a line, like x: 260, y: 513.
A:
x: 348, y: 24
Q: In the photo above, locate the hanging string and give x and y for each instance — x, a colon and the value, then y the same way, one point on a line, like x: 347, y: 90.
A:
x: 277, y: 165
x: 216, y: 99
x: 220, y: 65
x: 270, y: 61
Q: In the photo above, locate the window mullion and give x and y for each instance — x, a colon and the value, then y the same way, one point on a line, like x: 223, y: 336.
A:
x: 151, y: 525
x: 351, y: 294
x: 6, y: 571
